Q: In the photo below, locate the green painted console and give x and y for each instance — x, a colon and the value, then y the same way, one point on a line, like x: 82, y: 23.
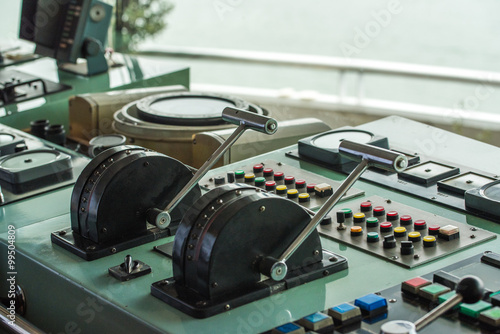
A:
x: 67, y: 294
x: 134, y: 72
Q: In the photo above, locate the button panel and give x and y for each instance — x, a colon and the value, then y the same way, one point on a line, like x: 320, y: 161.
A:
x: 406, y: 236
x: 286, y: 181
x: 411, y: 300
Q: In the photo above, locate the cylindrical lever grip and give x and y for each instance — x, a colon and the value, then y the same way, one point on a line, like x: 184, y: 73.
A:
x: 376, y: 156
x: 251, y: 120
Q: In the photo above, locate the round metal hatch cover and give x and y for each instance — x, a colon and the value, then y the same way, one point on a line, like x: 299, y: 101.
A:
x: 191, y: 109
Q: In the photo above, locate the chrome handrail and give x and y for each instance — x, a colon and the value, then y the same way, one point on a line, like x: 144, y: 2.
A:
x: 327, y: 62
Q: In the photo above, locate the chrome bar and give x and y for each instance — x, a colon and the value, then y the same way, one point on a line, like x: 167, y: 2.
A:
x: 327, y: 62
x: 323, y: 211
x: 245, y: 120
x: 368, y: 156
x: 438, y: 311
x: 18, y: 326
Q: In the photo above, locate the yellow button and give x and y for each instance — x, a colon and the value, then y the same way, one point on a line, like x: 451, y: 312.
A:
x: 250, y: 176
x: 414, y: 235
x: 429, y: 238
x: 304, y: 195
x: 292, y: 193
x: 359, y: 215
x: 400, y: 229
x: 282, y: 187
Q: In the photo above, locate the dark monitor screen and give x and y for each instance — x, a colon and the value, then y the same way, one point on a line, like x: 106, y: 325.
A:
x: 65, y: 29
x: 41, y: 23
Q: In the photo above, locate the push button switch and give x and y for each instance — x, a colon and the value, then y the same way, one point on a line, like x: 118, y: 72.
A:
x: 316, y: 321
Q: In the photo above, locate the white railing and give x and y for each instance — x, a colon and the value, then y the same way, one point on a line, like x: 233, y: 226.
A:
x: 361, y: 67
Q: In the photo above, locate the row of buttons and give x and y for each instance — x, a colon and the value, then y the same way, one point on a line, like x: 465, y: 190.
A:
x: 373, y: 308
x: 487, y: 312
x: 370, y: 308
x: 277, y: 182
x: 379, y: 222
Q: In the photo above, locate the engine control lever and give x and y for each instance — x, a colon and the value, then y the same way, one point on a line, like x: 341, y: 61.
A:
x: 245, y: 120
x: 469, y: 290
x: 368, y: 156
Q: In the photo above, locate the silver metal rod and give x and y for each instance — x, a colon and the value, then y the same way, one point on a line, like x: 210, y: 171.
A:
x: 325, y: 209
x: 378, y: 157
x: 438, y: 311
x: 206, y: 166
x: 335, y: 63
x: 19, y: 326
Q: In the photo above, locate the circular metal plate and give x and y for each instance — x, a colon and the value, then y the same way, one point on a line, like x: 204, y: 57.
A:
x: 97, y: 13
x: 108, y: 140
x: 6, y: 138
x: 332, y: 140
x: 492, y: 191
x: 29, y: 160
x: 192, y: 109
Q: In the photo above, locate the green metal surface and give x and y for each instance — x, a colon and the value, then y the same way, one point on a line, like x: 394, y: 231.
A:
x: 66, y: 294
x: 135, y: 73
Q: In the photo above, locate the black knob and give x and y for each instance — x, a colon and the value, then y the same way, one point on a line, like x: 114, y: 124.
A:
x: 471, y: 288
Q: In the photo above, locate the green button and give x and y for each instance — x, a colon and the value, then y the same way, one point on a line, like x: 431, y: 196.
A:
x: 434, y: 289
x: 473, y: 310
x: 239, y: 173
x: 491, y: 317
x: 346, y: 211
x: 492, y: 313
x: 444, y: 297
x: 260, y: 181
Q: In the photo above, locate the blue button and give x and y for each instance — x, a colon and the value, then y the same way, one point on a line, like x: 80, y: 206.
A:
x: 371, y: 302
x: 287, y: 328
x: 316, y: 317
x: 343, y: 308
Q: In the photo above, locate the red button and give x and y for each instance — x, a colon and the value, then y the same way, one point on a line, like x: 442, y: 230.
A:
x: 258, y: 168
x: 268, y: 172
x: 378, y: 211
x: 289, y: 180
x: 310, y: 187
x: 419, y: 224
x: 270, y: 185
x: 385, y: 227
x: 417, y: 281
x: 366, y: 206
x: 300, y: 183
x: 392, y: 215
x: 278, y: 176
x: 405, y: 220
x: 434, y: 229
